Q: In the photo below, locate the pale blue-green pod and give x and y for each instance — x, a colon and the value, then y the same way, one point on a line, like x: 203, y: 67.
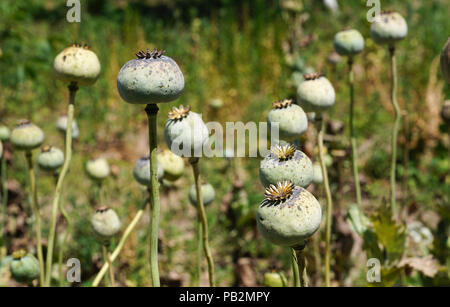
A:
x: 4, y: 133
x: 61, y: 125
x: 275, y: 279
x: 348, y: 42
x: 172, y: 165
x: 24, y: 267
x: 50, y: 158
x: 286, y: 163
x: 317, y: 173
x: 27, y: 136
x: 208, y: 194
x: 77, y: 64
x: 151, y: 78
x: 98, y: 169
x: 105, y: 223
x: 315, y: 94
x: 445, y: 61
x: 292, y: 120
x: 141, y: 171
x: 288, y: 215
x: 185, y: 132
x: 388, y: 28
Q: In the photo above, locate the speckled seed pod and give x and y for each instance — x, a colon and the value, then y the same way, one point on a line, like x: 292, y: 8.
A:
x: 317, y: 173
x: 185, y: 132
x: 97, y: 169
x: 316, y: 93
x: 61, y: 125
x: 388, y: 28
x: 275, y: 279
x: 105, y: 223
x: 50, y: 158
x: 77, y: 64
x: 292, y: 120
x: 172, y: 165
x: 445, y: 112
x: 208, y: 194
x: 141, y: 171
x: 151, y: 78
x: 27, y: 136
x: 348, y: 42
x: 285, y: 162
x: 288, y: 215
x: 4, y: 133
x: 445, y: 61
x: 24, y: 267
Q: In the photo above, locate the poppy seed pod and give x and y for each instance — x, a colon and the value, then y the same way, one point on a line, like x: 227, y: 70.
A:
x: 208, y: 194
x: 348, y: 42
x: 50, y: 158
x: 317, y: 173
x: 292, y: 120
x: 172, y: 165
x: 288, y: 215
x: 24, y: 267
x: 61, y: 125
x: 315, y: 93
x: 445, y: 112
x: 141, y: 171
x: 27, y: 136
x: 185, y: 132
x: 216, y: 104
x: 275, y: 279
x: 151, y: 78
x: 388, y: 28
x: 98, y: 169
x: 285, y: 162
x: 105, y: 223
x: 445, y: 61
x: 4, y: 133
x: 77, y: 64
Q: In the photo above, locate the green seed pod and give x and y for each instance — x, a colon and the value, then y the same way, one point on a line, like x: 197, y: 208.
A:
x: 98, y: 169
x: 185, y: 132
x: 445, y: 61
x: 348, y: 42
x: 50, y: 158
x: 77, y: 64
x: 105, y: 223
x: 4, y: 133
x: 292, y: 120
x: 172, y: 165
x: 61, y: 125
x: 208, y: 194
x: 316, y: 93
x: 317, y: 173
x: 151, y: 78
x: 445, y: 112
x: 275, y: 279
x: 388, y: 28
x: 288, y: 215
x: 24, y: 267
x: 285, y: 162
x: 27, y: 136
x: 141, y: 171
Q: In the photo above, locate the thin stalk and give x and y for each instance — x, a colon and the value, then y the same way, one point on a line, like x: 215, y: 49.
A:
x: 198, y: 272
x: 295, y: 268
x: 73, y: 88
x: 202, y: 213
x: 37, y: 214
x: 107, y: 259
x: 119, y: 246
x: 395, y: 128
x: 64, y: 240
x: 329, y: 207
x: 152, y: 112
x: 4, y: 198
x: 352, y: 133
x: 299, y: 267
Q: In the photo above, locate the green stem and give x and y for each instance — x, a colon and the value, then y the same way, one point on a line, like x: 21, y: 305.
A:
x: 37, y: 215
x: 198, y: 272
x: 295, y: 268
x: 4, y: 199
x: 119, y: 247
x: 299, y: 267
x: 64, y: 240
x: 329, y: 208
x: 395, y: 128
x: 152, y: 111
x: 352, y: 134
x: 107, y: 259
x: 73, y: 88
x: 202, y: 213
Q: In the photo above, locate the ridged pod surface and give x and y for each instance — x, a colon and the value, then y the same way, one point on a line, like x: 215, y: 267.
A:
x: 27, y: 136
x: 292, y: 120
x: 315, y: 93
x: 388, y: 28
x: 50, y: 158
